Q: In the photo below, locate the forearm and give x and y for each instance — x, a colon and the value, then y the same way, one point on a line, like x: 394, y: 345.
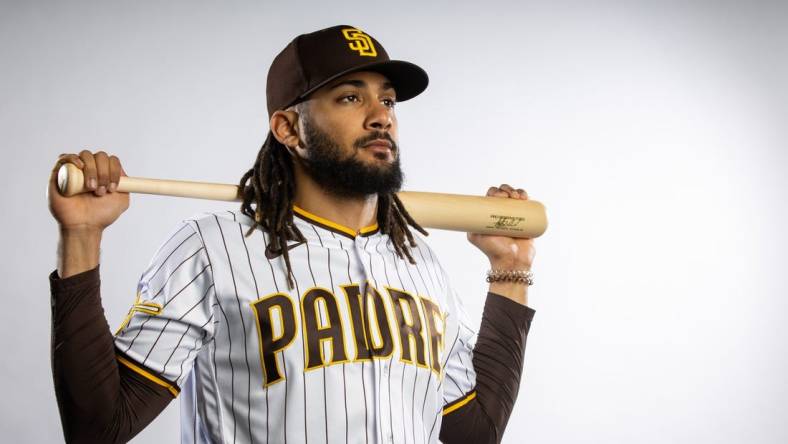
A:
x: 498, y: 360
x: 99, y: 400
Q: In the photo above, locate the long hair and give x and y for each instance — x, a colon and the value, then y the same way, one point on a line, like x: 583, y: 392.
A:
x: 268, y: 191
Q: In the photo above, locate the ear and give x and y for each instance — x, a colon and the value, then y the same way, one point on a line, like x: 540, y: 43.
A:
x: 284, y: 126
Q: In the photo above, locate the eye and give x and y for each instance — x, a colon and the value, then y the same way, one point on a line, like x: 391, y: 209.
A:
x: 389, y: 102
x: 349, y: 98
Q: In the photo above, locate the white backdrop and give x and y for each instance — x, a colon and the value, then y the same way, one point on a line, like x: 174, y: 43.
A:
x: 654, y: 132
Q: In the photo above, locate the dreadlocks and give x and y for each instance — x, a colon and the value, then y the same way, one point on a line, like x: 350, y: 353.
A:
x: 270, y: 186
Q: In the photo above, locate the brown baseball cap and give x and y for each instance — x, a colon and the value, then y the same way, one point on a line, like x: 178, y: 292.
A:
x: 312, y: 60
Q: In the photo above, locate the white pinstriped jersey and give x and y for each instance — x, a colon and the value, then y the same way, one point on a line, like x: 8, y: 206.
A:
x: 367, y: 348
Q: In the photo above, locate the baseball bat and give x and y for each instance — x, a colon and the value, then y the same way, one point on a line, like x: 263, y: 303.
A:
x: 456, y: 212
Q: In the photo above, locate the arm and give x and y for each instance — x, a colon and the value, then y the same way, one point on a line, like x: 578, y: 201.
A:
x: 498, y: 356
x: 99, y: 400
x: 498, y: 359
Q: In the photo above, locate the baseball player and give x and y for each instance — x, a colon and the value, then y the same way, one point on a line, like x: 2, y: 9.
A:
x: 317, y: 313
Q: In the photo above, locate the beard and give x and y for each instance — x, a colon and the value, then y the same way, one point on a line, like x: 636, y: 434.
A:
x: 348, y: 176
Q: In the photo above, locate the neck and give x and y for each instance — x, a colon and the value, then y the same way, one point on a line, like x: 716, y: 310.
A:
x: 353, y: 212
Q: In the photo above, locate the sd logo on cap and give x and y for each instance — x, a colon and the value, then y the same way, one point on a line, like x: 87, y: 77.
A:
x: 312, y: 60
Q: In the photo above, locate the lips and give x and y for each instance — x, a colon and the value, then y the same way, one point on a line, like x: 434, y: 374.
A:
x: 378, y: 145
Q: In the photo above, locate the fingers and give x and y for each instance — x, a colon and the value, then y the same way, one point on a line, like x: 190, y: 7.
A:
x: 100, y: 170
x: 89, y: 170
x: 68, y: 158
x: 506, y: 190
x: 115, y: 171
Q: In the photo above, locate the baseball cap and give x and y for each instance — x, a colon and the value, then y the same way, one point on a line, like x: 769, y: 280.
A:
x: 312, y: 60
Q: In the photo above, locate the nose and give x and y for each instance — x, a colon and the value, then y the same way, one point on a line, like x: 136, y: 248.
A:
x: 379, y: 117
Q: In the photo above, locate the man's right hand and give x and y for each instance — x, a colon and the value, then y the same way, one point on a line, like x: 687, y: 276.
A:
x: 82, y: 218
x: 96, y: 209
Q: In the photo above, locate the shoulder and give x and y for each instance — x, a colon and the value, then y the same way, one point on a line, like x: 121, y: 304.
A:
x: 422, y: 252
x: 206, y: 223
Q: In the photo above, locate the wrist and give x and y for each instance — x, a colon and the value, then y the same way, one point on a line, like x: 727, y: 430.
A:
x: 508, y: 264
x: 78, y: 250
x: 80, y: 231
x: 510, y: 280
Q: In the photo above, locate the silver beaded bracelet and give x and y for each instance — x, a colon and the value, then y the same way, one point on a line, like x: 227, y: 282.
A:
x: 519, y: 276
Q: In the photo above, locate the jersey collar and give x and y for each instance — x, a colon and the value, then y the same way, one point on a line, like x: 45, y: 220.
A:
x: 333, y: 226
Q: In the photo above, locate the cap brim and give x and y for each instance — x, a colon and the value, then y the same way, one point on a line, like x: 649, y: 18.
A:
x: 408, y: 79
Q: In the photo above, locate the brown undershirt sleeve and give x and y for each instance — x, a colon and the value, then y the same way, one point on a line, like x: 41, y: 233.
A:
x: 99, y: 400
x: 498, y: 363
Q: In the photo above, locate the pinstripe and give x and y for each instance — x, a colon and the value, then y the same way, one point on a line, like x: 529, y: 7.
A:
x: 429, y: 375
x: 437, y: 415
x: 284, y: 367
x: 344, y: 389
x: 391, y: 361
x: 229, y: 339
x: 426, y: 267
x: 303, y: 347
x: 363, y: 370
x: 141, y: 327
x: 267, y: 420
x: 320, y: 314
x: 232, y: 368
x: 163, y: 262
x: 161, y: 332
x: 188, y: 327
x: 462, y: 361
x: 402, y: 379
x: 450, y: 378
x: 416, y: 373
x: 194, y: 424
x: 197, y: 303
x: 249, y: 373
x: 139, y: 330
x: 194, y: 348
x: 376, y: 367
x: 454, y: 343
x: 202, y: 327
x: 243, y: 326
x: 187, y: 286
x: 173, y: 273
x: 438, y: 276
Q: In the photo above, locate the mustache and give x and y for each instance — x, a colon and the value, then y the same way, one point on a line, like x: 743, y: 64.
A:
x: 360, y: 142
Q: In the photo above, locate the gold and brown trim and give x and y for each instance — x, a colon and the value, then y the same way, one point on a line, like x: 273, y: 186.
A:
x: 333, y: 226
x: 457, y: 403
x: 148, y: 374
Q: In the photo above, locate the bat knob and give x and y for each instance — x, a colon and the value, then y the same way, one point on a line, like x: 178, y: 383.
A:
x: 70, y: 180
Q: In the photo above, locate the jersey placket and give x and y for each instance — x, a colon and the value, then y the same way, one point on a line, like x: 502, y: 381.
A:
x: 381, y: 366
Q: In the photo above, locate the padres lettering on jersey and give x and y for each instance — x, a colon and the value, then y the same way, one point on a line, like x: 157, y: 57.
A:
x: 367, y: 348
x: 369, y: 324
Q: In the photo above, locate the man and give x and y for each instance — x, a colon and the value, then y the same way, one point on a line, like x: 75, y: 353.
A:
x: 311, y: 315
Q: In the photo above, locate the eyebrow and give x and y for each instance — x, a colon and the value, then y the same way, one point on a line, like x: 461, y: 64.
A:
x: 360, y: 84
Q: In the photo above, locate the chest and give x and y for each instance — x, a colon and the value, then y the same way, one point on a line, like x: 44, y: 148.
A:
x: 350, y: 302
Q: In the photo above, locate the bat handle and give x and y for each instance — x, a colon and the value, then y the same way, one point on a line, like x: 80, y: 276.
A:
x: 70, y: 180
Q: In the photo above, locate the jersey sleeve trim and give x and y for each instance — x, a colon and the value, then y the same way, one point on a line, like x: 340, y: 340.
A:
x: 456, y: 404
x: 158, y: 380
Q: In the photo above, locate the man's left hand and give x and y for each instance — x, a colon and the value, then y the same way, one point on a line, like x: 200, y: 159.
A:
x: 505, y: 253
